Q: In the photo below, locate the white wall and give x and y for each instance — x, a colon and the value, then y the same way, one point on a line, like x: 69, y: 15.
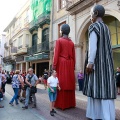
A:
x: 2, y: 42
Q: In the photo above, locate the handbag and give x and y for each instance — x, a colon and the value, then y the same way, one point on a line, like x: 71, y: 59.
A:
x: 29, y: 80
x: 33, y: 90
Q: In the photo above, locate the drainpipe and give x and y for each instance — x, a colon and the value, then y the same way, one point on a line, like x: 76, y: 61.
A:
x: 51, y: 32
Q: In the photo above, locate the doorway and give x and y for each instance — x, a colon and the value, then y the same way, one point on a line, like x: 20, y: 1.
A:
x: 41, y: 67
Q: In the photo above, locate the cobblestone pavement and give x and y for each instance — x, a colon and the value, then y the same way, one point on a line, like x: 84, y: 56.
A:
x: 42, y: 110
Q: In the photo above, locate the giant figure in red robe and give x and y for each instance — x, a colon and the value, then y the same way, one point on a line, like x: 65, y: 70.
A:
x: 64, y: 64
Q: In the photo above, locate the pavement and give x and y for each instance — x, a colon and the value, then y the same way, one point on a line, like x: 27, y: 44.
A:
x: 42, y: 111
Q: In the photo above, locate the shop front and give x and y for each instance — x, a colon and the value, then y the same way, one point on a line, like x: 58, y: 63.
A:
x: 9, y: 63
x: 21, y: 64
x: 38, y: 62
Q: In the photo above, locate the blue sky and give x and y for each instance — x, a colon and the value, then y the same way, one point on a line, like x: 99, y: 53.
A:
x: 8, y: 9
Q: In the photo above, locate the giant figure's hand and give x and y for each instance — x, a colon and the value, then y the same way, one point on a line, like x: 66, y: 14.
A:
x: 89, y: 68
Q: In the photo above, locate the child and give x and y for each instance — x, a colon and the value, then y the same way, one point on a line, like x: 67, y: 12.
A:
x: 53, y: 83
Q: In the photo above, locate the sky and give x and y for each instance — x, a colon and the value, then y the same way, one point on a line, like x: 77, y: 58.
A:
x: 8, y: 9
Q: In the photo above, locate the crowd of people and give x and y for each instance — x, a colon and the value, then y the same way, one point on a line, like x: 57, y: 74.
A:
x: 24, y: 85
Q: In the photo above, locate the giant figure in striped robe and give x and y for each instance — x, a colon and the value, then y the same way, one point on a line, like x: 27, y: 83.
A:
x: 99, y: 82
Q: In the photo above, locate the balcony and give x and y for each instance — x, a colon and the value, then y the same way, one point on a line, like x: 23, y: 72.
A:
x: 41, y: 20
x: 42, y: 47
x: 6, y: 46
x: 19, y: 50
x: 76, y: 6
x: 9, y: 58
x: 22, y: 51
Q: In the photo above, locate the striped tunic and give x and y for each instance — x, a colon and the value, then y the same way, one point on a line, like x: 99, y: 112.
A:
x: 100, y: 84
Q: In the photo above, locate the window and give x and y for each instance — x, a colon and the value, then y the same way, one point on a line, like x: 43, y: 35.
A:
x: 45, y: 39
x: 27, y: 40
x: 19, y: 23
x: 15, y: 43
x: 20, y: 42
x: 26, y: 20
x: 34, y: 43
x: 45, y: 35
x: 59, y: 28
x: 61, y: 3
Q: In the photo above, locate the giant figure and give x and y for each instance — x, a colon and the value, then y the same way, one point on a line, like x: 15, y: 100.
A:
x: 99, y: 82
x: 64, y: 64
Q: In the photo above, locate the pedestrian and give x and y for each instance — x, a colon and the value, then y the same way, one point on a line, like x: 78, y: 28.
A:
x: 64, y: 64
x: 117, y: 76
x: 31, y: 81
x: 16, y: 80
x: 3, y: 82
x: 99, y: 80
x: 80, y: 80
x: 53, y: 83
x: 1, y: 78
x: 20, y: 87
x: 45, y: 76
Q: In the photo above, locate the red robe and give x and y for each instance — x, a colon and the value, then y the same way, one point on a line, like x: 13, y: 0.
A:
x: 64, y: 64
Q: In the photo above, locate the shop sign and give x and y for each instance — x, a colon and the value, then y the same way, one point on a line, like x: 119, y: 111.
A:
x: 19, y: 58
x: 37, y: 57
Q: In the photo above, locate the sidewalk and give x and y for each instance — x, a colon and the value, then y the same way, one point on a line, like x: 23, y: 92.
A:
x: 80, y: 96
x: 42, y: 110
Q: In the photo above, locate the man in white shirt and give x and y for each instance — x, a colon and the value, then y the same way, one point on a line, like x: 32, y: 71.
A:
x: 53, y: 83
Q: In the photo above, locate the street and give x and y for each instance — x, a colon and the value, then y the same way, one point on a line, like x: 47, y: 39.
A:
x: 42, y: 110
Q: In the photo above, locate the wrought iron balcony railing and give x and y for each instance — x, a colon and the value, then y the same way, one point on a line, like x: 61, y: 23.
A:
x: 42, y: 19
x: 8, y: 58
x: 42, y: 47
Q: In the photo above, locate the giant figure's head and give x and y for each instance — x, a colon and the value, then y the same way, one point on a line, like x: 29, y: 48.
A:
x: 97, y: 11
x: 65, y: 29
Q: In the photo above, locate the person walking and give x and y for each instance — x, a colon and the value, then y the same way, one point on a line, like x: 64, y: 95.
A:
x: 99, y: 80
x: 80, y: 80
x: 16, y: 80
x: 117, y: 76
x: 31, y: 81
x: 45, y: 76
x: 3, y: 82
x: 1, y: 78
x: 53, y: 83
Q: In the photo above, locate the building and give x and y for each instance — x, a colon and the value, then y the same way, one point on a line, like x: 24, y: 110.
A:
x: 2, y: 42
x: 39, y: 51
x: 17, y: 40
x: 76, y: 13
x: 80, y: 9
